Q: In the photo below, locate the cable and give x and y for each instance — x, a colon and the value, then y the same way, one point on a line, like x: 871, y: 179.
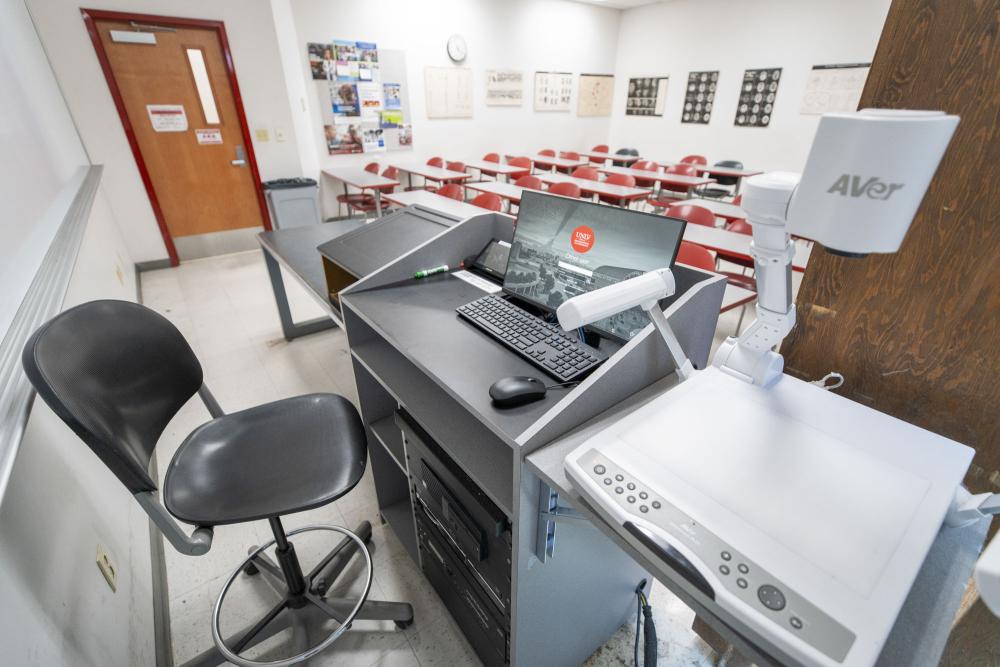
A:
x: 562, y: 384
x: 644, y: 619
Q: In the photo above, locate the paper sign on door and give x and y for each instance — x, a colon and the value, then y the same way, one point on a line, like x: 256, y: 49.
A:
x: 167, y: 117
x: 209, y: 136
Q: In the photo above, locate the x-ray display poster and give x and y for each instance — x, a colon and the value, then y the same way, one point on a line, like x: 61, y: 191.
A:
x: 699, y: 97
x: 647, y: 96
x: 757, y: 94
x: 553, y: 91
x: 834, y: 88
x: 504, y: 87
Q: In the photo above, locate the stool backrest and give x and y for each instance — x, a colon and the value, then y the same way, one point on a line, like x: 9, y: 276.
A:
x: 116, y: 373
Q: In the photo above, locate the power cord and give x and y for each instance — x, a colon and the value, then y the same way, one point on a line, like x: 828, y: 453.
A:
x: 644, y: 619
x: 562, y: 384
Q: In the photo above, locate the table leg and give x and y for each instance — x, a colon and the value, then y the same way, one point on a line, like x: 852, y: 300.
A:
x: 289, y: 327
x: 736, y: 188
x: 378, y: 202
x: 345, y: 201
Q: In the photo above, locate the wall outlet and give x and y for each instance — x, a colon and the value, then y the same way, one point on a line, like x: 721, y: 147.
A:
x: 107, y: 568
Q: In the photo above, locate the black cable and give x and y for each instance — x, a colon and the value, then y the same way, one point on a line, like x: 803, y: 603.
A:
x: 563, y: 384
x: 638, y: 621
x: 644, y: 619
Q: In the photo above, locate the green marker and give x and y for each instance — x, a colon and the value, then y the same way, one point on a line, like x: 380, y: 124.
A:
x: 430, y: 272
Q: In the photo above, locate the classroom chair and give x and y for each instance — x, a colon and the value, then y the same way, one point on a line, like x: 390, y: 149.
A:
x: 739, y: 226
x: 627, y: 151
x: 694, y: 159
x: 588, y: 173
x: 617, y: 179
x: 354, y: 200
x: 728, y: 183
x: 645, y: 165
x: 567, y: 155
x: 452, y: 191
x: 532, y: 182
x: 547, y: 152
x: 691, y: 254
x: 565, y: 189
x: 599, y: 148
x: 367, y: 204
x: 694, y: 214
x: 488, y: 200
x: 520, y: 162
x: 667, y: 195
x: 489, y: 157
x: 117, y: 373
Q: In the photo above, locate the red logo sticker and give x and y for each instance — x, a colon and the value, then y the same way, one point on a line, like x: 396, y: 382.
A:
x: 582, y: 239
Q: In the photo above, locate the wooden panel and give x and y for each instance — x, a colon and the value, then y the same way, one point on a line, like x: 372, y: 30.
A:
x: 917, y: 334
x: 197, y: 187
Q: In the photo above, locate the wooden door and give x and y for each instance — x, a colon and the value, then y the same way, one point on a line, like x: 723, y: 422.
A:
x: 180, y: 106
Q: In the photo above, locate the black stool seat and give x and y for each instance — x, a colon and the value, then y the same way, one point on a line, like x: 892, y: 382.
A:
x: 274, y: 459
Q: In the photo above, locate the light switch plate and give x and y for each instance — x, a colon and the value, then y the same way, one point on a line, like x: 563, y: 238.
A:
x: 107, y: 568
x: 262, y: 134
x: 279, y: 134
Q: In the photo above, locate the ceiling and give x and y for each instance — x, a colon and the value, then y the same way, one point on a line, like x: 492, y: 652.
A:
x: 620, y: 4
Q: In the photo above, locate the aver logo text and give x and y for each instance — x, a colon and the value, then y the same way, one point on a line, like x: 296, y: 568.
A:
x: 852, y: 185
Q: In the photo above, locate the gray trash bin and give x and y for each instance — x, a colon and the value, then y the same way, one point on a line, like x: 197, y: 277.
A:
x: 293, y: 202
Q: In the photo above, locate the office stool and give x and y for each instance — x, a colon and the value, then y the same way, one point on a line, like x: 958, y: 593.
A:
x: 116, y: 373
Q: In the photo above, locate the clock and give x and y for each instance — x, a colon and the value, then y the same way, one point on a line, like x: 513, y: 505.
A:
x: 457, y: 48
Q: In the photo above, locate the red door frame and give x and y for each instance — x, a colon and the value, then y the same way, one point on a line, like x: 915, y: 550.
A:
x: 90, y: 16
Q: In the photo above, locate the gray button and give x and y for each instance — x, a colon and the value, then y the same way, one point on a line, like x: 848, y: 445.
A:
x: 619, y: 477
x: 631, y: 486
x: 643, y: 495
x: 795, y: 622
x: 607, y: 481
x: 742, y: 567
x: 656, y: 504
x: 771, y: 597
x: 619, y: 489
x: 741, y: 582
x: 643, y: 509
x: 631, y: 499
x: 726, y: 555
x: 724, y: 569
x: 599, y: 469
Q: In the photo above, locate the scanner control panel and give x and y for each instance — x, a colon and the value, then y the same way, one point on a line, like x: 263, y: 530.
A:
x: 743, y: 578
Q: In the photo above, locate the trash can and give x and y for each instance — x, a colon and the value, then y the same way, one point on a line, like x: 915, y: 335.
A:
x: 293, y: 202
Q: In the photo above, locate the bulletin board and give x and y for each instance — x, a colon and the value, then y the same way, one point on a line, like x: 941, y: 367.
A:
x: 596, y: 95
x: 699, y: 98
x: 757, y: 94
x: 553, y: 91
x: 834, y: 88
x: 363, y: 97
x: 448, y: 92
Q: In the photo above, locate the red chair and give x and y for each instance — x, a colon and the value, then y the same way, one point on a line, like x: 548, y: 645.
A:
x: 356, y: 200
x: 455, y: 166
x: 599, y: 148
x: 520, y: 162
x: 531, y: 182
x: 431, y: 162
x: 489, y: 201
x: 367, y: 204
x: 565, y: 189
x: 547, y: 152
x: 691, y: 254
x: 645, y: 165
x: 492, y: 157
x: 452, y: 191
x: 435, y: 162
x: 694, y: 159
x: 694, y: 214
x: 489, y: 157
x: 667, y: 196
x: 588, y: 173
x: 740, y: 226
x: 617, y: 179
x: 567, y: 155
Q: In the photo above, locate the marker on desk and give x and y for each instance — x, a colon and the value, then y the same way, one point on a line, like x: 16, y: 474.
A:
x: 431, y: 272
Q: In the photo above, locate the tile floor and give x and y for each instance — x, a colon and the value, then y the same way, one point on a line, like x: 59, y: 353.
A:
x: 225, y: 308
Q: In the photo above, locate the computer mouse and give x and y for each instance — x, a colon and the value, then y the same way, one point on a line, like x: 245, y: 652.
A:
x: 510, y: 392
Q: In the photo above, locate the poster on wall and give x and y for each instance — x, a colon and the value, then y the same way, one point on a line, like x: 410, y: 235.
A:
x: 346, y: 49
x: 370, y: 100
x: 596, y: 95
x: 322, y: 61
x: 834, y: 88
x: 647, y: 96
x: 757, y: 94
x: 371, y: 137
x: 391, y: 92
x: 553, y: 91
x: 504, y: 87
x: 699, y: 97
x: 343, y: 136
x: 448, y: 92
x: 345, y: 99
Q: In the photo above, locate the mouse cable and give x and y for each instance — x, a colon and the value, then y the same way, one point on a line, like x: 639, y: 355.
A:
x: 562, y: 384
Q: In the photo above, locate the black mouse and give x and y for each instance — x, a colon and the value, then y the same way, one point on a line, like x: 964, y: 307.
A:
x: 509, y: 392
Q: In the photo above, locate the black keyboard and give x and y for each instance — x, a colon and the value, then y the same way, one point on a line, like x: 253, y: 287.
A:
x: 545, y: 345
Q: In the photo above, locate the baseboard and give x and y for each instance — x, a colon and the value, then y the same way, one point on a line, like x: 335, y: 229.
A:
x: 152, y: 265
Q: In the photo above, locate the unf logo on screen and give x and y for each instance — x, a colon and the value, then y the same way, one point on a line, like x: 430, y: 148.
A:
x: 582, y: 239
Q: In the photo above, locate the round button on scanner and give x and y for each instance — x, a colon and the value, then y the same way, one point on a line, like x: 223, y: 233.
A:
x: 607, y: 481
x: 643, y: 495
x: 619, y: 477
x: 724, y: 569
x: 726, y: 555
x: 631, y: 499
x: 656, y: 504
x: 771, y: 597
x: 795, y: 622
x: 631, y: 486
x: 741, y: 582
x: 743, y: 568
x: 599, y: 469
x: 619, y: 489
x: 643, y: 509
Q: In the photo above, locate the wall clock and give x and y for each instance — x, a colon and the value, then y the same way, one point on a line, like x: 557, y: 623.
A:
x: 457, y: 48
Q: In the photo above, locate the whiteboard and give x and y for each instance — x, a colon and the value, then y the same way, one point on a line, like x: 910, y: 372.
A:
x: 448, y: 92
x: 42, y: 154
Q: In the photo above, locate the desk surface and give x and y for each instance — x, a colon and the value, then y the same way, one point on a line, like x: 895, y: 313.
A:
x: 551, y: 161
x: 715, y: 171
x: 493, y: 167
x: 614, y: 157
x: 508, y: 191
x: 360, y: 178
x: 715, y: 238
x: 662, y: 177
x: 295, y: 249
x: 433, y: 173
x: 723, y: 209
x: 596, y: 187
x: 433, y: 201
x: 923, y: 625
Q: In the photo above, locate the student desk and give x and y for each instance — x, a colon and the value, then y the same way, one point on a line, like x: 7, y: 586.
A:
x: 679, y: 180
x: 552, y: 162
x: 738, y: 174
x: 494, y: 168
x: 439, y: 174
x: 621, y: 192
x: 715, y: 238
x: 508, y: 191
x: 721, y: 209
x: 434, y: 201
x: 614, y: 157
x: 363, y: 180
